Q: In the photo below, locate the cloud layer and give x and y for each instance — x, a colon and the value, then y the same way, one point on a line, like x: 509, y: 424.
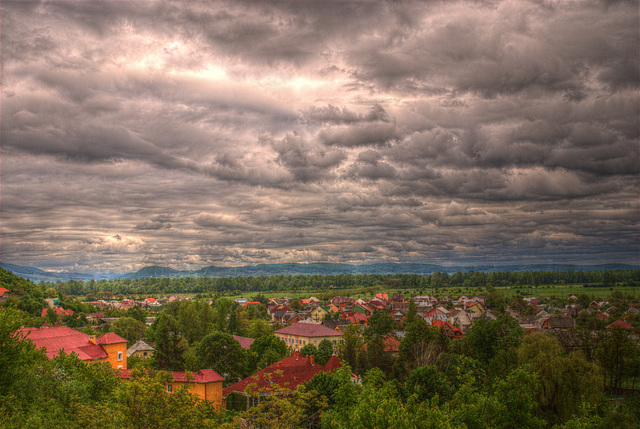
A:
x: 188, y: 134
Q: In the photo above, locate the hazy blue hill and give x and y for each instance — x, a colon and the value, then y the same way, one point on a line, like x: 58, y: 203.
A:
x: 156, y: 272
x: 37, y: 275
x: 294, y: 269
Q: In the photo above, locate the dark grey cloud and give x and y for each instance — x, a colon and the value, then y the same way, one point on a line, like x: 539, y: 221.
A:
x: 189, y: 134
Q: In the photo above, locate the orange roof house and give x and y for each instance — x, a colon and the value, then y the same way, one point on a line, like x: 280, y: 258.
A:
x: 110, y: 347
x: 4, y: 293
x: 284, y: 375
x: 206, y: 383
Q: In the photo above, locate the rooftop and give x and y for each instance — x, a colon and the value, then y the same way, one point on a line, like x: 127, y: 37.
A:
x: 286, y: 374
x: 308, y: 330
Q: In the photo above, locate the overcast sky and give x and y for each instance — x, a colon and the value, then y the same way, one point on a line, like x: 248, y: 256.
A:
x: 189, y: 134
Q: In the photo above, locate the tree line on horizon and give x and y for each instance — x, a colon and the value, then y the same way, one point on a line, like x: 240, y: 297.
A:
x: 328, y: 283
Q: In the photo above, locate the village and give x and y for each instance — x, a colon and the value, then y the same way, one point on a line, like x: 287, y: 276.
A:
x: 244, y: 354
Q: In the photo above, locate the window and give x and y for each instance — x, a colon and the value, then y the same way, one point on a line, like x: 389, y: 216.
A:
x: 168, y: 388
x: 119, y: 356
x: 144, y: 354
x: 119, y: 366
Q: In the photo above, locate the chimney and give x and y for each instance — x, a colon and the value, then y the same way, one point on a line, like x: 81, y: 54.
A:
x: 92, y: 339
x: 312, y: 359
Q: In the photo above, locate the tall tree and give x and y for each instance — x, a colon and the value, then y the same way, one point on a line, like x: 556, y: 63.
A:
x: 222, y: 353
x: 170, y: 346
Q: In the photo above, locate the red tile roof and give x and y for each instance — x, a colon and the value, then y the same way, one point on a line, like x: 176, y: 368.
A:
x: 110, y: 338
x: 286, y: 374
x: 308, y: 330
x: 62, y: 338
x: 245, y: 342
x: 620, y: 323
x: 59, y: 311
x: 355, y: 318
x: 452, y: 331
x: 3, y: 291
x: 202, y: 376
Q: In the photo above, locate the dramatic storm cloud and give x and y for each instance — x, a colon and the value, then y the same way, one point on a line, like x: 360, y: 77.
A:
x: 188, y: 134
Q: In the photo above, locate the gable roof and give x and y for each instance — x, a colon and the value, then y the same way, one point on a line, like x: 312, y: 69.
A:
x: 308, y: 330
x: 110, y: 338
x: 139, y: 346
x: 286, y: 374
x: 559, y: 322
x: 3, y: 291
x: 60, y: 338
x: 620, y: 323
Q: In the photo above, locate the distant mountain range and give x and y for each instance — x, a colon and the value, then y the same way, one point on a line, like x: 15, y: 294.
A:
x: 38, y: 275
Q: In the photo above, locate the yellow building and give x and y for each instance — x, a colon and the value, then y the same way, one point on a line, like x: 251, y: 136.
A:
x: 206, y: 384
x: 300, y: 334
x: 109, y: 347
x: 319, y: 314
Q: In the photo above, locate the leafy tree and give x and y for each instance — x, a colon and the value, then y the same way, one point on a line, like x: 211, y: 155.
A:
x: 280, y: 412
x: 195, y: 319
x: 222, y: 353
x: 16, y: 353
x: 488, y: 337
x: 309, y: 350
x: 412, y: 312
x: 426, y: 382
x: 567, y: 380
x: 265, y: 351
x: 170, y: 347
x: 234, y: 327
x: 380, y: 323
x: 129, y: 328
x: 380, y: 406
x: 417, y: 348
x: 324, y: 353
x: 257, y: 328
x: 618, y: 355
x: 144, y: 403
x: 348, y: 347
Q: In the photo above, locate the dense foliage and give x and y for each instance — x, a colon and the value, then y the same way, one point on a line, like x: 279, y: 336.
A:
x: 327, y: 283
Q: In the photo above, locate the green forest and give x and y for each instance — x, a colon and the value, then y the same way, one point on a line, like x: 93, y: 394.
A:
x: 428, y: 283
x: 497, y: 376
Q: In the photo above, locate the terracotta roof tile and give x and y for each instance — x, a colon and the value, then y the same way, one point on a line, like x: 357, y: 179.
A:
x: 110, y: 338
x: 308, y: 330
x: 63, y: 338
x: 286, y: 374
